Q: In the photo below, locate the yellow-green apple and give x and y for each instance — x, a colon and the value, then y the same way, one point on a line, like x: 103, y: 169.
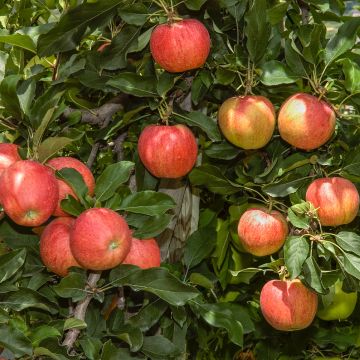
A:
x: 288, y: 305
x: 306, y: 122
x: 336, y: 200
x: 262, y: 232
x: 167, y: 151
x: 8, y: 155
x: 180, y: 45
x: 64, y: 189
x: 247, y: 121
x: 341, y: 306
x: 100, y: 239
x: 55, y: 250
x: 28, y: 192
x: 143, y: 253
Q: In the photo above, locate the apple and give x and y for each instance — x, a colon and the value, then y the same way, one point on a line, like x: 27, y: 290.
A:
x: 341, y: 306
x: 167, y: 151
x: 28, y: 192
x: 143, y: 253
x: 8, y: 155
x: 262, y: 232
x: 100, y: 239
x: 336, y: 200
x: 180, y: 45
x: 64, y: 189
x: 55, y: 250
x: 306, y: 122
x: 288, y: 305
x: 247, y: 121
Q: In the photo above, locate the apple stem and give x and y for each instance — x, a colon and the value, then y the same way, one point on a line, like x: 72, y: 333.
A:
x: 283, y: 273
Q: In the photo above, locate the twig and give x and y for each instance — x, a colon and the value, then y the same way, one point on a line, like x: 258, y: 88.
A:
x: 304, y: 6
x: 118, y: 146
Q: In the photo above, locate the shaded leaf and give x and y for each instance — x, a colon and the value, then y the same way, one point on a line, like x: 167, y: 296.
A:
x: 11, y: 263
x: 14, y: 340
x: 51, y: 146
x: 275, y: 73
x: 296, y: 251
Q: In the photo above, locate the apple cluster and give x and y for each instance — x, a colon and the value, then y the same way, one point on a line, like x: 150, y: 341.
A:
x: 98, y: 239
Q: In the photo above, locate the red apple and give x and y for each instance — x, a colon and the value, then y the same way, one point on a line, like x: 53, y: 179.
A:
x: 262, y: 232
x: 180, y: 45
x: 306, y: 122
x: 143, y: 253
x: 247, y: 121
x: 100, y: 239
x: 28, y: 192
x: 64, y: 189
x: 55, y: 250
x: 288, y: 304
x: 336, y: 200
x: 8, y: 155
x: 167, y: 151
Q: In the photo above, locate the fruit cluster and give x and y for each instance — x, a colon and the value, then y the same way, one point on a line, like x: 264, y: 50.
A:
x: 98, y: 239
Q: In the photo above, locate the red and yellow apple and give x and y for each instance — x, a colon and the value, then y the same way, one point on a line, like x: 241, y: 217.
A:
x: 288, y: 305
x: 8, y: 155
x: 247, y: 121
x: 167, y: 151
x: 143, y: 253
x: 28, y: 192
x: 306, y: 122
x: 262, y: 232
x: 64, y: 189
x: 100, y: 239
x: 55, y: 250
x: 180, y: 45
x: 336, y: 200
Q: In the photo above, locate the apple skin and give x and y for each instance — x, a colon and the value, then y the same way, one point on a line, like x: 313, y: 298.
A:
x: 167, y: 151
x: 55, y: 250
x: 342, y: 305
x: 100, y: 239
x: 64, y: 189
x: 28, y: 192
x: 143, y: 253
x: 181, y: 45
x: 288, y: 305
x: 262, y: 233
x: 8, y: 155
x: 247, y: 121
x: 336, y: 200
x: 306, y: 122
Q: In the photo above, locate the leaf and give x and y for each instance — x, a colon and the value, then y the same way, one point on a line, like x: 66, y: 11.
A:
x: 296, y: 251
x: 134, y: 14
x: 43, y: 332
x: 133, y: 84
x: 205, y: 123
x: 194, y: 4
x: 132, y: 336
x: 14, y: 340
x: 111, y: 178
x: 51, y: 146
x: 75, y: 180
x: 348, y: 241
x: 8, y: 95
x: 3, y: 61
x: 112, y: 352
x: 72, y: 286
x: 301, y: 222
x: 153, y: 226
x: 11, y: 263
x: 245, y: 275
x: 312, y: 275
x: 67, y: 34
x: 294, y: 60
x: 199, y: 246
x: 25, y: 93
x: 352, y: 75
x: 276, y: 73
x: 41, y: 352
x: 72, y: 206
x: 351, y: 264
x: 72, y: 323
x: 148, y: 202
x: 91, y: 347
x: 22, y: 41
x: 283, y: 189
x: 222, y: 151
x: 159, y: 347
x: 343, y: 40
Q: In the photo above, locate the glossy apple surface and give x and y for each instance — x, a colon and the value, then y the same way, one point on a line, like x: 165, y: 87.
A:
x: 8, y: 155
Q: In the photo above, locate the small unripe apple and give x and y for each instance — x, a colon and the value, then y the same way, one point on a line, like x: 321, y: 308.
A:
x: 247, y: 121
x: 167, y: 151
x: 262, y: 232
x: 143, y: 253
x: 55, y: 250
x: 28, y: 192
x: 336, y: 200
x: 288, y: 305
x: 64, y: 189
x: 180, y: 45
x: 100, y: 239
x: 8, y: 155
x: 306, y: 122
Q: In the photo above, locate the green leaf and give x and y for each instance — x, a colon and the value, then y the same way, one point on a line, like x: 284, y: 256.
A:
x: 43, y: 332
x: 148, y: 202
x: 41, y: 352
x: 132, y: 336
x: 11, y: 263
x: 351, y: 264
x: 312, y: 274
x: 349, y: 241
x: 112, y: 352
x: 301, y: 222
x: 222, y: 151
x: 277, y: 13
x: 276, y: 73
x: 75, y: 180
x: 91, y: 347
x: 22, y: 41
x: 72, y: 286
x: 111, y: 178
x: 134, y: 14
x: 25, y: 93
x: 194, y: 4
x: 294, y: 60
x: 159, y: 347
x: 73, y: 323
x: 153, y: 226
x: 205, y: 123
x: 296, y: 251
x: 283, y: 189
x: 352, y: 75
x: 67, y: 34
x: 8, y: 95
x: 72, y: 206
x: 165, y: 83
x: 51, y: 146
x: 14, y: 340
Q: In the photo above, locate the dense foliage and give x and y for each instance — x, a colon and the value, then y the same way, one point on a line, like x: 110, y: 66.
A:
x: 77, y: 79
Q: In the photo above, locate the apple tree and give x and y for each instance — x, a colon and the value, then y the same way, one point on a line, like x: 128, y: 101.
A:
x: 84, y: 79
